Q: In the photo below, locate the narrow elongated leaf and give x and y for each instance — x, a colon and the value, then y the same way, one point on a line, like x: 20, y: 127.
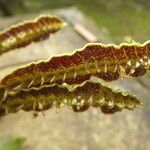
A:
x: 79, y: 98
x: 23, y: 34
x: 108, y: 62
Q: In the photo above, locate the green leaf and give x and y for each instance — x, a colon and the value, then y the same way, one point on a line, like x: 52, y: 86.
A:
x: 13, y: 144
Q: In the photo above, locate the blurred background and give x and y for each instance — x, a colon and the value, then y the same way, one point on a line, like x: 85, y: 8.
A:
x: 119, y: 17
x: 102, y: 21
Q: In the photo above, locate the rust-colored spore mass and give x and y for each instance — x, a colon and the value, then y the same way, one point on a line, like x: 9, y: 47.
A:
x: 108, y: 62
x: 29, y: 31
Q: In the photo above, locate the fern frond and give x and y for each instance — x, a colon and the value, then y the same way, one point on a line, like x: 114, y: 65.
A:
x: 24, y: 33
x: 79, y: 98
x: 108, y: 62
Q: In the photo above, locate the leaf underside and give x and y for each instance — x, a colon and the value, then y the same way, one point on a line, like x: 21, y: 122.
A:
x: 107, y: 62
x: 23, y: 34
x: 79, y: 98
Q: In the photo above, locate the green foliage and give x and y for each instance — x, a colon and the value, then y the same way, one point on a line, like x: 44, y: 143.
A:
x: 12, y: 144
